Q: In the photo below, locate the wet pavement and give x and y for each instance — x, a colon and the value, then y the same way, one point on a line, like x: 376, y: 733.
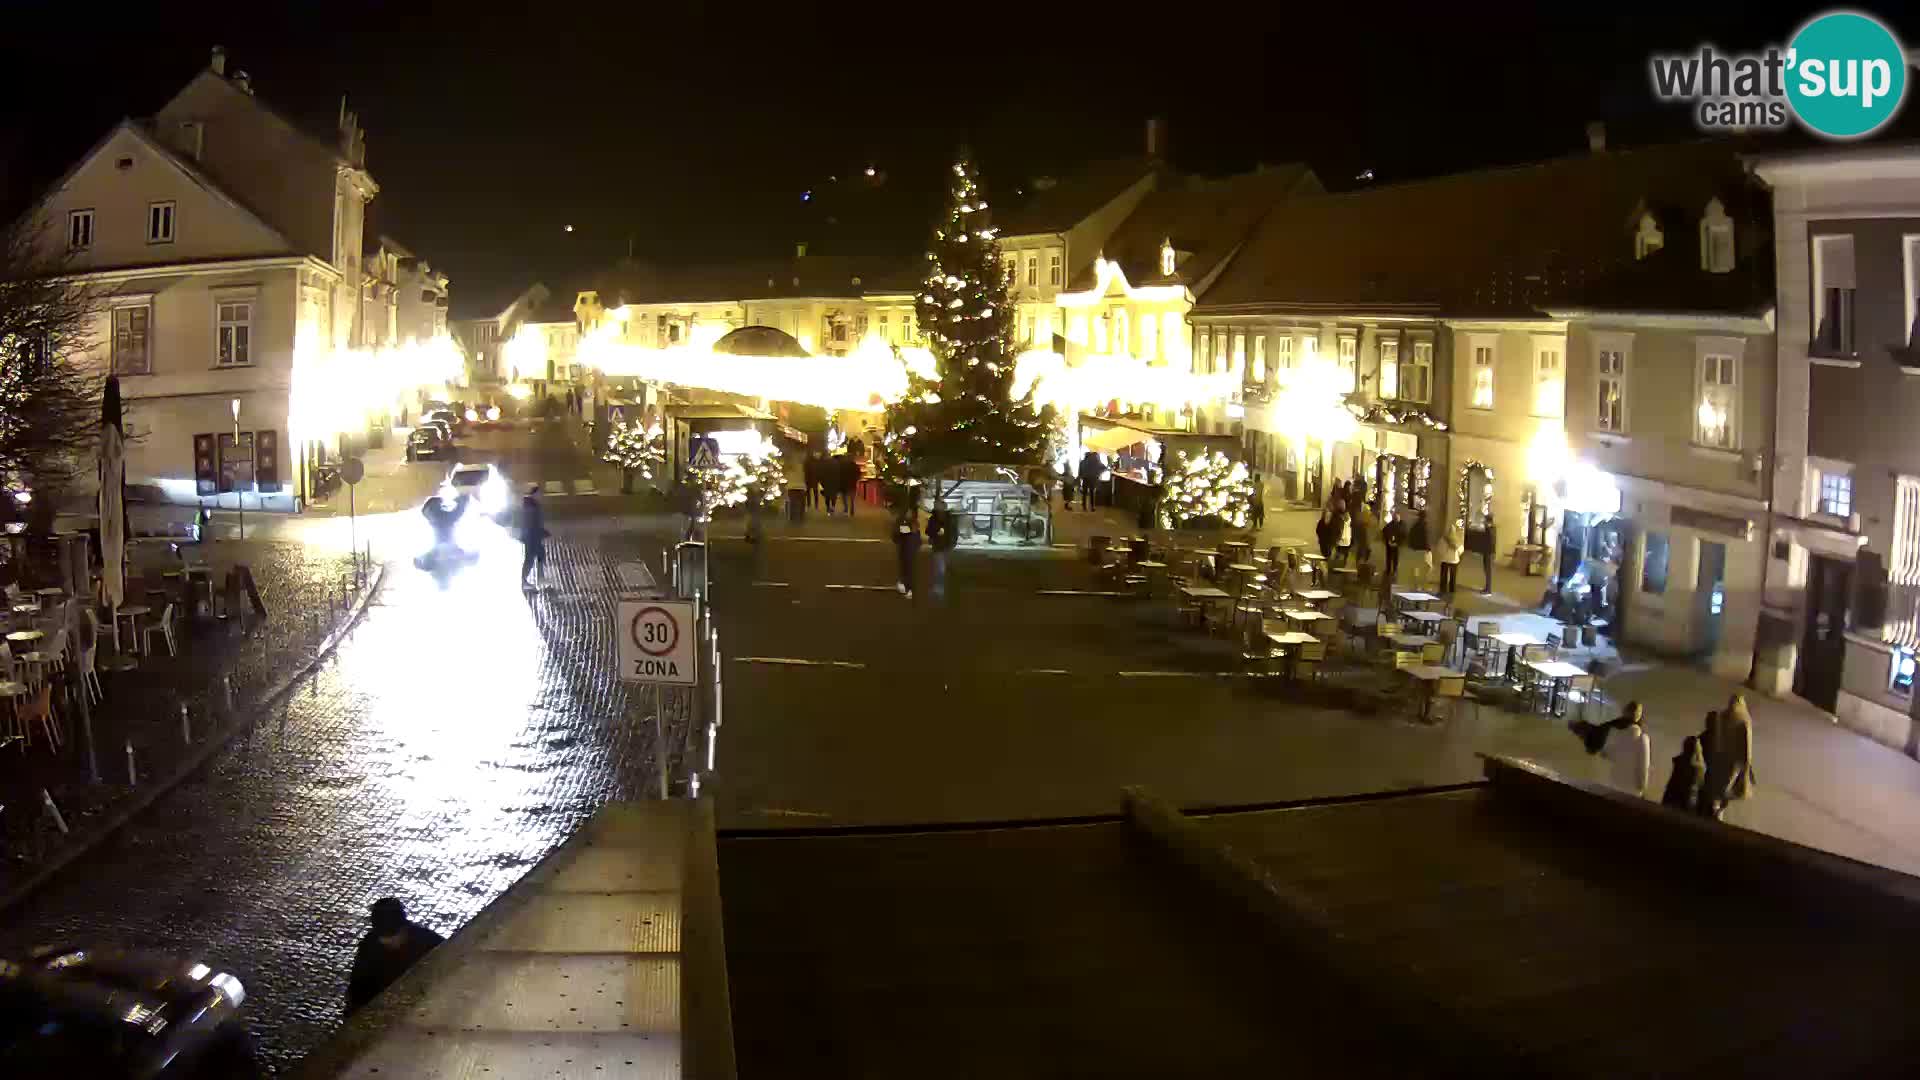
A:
x: 460, y: 732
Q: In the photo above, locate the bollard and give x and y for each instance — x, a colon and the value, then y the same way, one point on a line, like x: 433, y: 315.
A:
x: 133, y: 776
x: 54, y: 810
x: 186, y: 728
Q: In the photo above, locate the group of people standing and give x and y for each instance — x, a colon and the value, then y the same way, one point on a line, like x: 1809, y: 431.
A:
x: 831, y: 480
x: 941, y: 538
x: 1712, y: 769
x: 1347, y: 527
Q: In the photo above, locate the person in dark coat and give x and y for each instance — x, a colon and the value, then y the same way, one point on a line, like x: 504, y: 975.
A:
x: 941, y: 538
x: 394, y: 944
x: 1392, y: 535
x: 1689, y: 770
x: 1066, y: 489
x: 812, y: 467
x: 1484, y: 541
x: 1259, y: 508
x: 533, y: 537
x: 1358, y: 490
x: 1326, y: 532
x: 906, y: 541
x: 1090, y: 469
x: 849, y: 480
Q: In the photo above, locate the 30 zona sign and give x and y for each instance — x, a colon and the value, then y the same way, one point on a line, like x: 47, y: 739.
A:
x: 657, y: 642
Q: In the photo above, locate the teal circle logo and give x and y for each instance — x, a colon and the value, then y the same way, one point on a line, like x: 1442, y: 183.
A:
x: 1846, y: 74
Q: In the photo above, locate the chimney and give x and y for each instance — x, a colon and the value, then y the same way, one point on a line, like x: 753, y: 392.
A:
x: 1156, y: 137
x: 244, y: 81
x: 1597, y: 137
x: 219, y: 64
x: 800, y: 250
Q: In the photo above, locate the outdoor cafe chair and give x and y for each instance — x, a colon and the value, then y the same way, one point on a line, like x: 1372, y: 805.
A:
x: 1449, y: 694
x: 164, y: 627
x: 1433, y: 654
x: 39, y: 707
x: 1448, y: 633
x: 1312, y: 660
x: 89, y: 677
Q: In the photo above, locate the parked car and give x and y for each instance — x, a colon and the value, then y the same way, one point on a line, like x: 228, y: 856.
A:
x: 484, y: 484
x: 428, y: 441
x: 456, y: 424
x: 121, y: 1015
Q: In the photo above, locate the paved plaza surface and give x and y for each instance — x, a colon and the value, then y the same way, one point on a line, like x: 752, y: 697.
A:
x: 465, y: 728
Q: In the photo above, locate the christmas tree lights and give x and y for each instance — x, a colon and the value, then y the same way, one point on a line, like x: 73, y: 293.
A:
x: 1206, y: 487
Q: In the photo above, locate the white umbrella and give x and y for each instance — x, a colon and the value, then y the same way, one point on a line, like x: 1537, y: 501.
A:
x: 113, y: 517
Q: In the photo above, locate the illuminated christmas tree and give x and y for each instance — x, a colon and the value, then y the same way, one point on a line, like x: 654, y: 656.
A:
x: 967, y: 412
x: 1204, y: 488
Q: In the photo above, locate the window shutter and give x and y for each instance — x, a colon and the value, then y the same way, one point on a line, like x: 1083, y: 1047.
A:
x: 206, y: 474
x: 266, y: 460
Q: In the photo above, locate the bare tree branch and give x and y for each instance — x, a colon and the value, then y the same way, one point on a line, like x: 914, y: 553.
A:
x: 49, y: 392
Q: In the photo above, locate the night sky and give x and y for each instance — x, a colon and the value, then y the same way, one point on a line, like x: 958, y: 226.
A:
x: 693, y: 135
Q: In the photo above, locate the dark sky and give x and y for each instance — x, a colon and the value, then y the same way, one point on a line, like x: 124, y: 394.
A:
x: 693, y: 134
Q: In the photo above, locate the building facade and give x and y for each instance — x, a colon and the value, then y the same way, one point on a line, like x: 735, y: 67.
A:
x: 1843, y: 572
x: 222, y: 243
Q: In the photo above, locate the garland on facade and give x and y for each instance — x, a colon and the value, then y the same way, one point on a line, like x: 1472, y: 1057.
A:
x: 1486, y: 497
x: 1206, y: 485
x: 1377, y: 413
x: 1422, y: 479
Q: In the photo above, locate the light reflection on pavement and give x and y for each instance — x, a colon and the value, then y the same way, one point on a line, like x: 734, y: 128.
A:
x: 462, y: 731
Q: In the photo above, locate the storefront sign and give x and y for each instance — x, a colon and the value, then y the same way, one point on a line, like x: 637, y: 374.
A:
x: 1737, y: 527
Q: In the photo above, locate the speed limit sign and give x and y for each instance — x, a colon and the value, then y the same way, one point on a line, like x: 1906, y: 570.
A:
x: 656, y: 642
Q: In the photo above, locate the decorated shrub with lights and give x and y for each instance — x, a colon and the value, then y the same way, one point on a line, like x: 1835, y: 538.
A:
x: 1206, y: 489
x: 965, y: 411
x: 636, y: 449
x: 759, y: 476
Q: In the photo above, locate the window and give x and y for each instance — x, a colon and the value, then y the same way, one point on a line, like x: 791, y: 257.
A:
x: 1309, y: 350
x: 1610, y: 373
x: 235, y: 333
x: 1716, y: 239
x: 1389, y: 367
x: 1149, y: 337
x: 1046, y: 330
x: 1033, y: 270
x: 1283, y: 352
x: 160, y: 223
x: 1166, y: 258
x: 1171, y: 327
x: 1012, y: 263
x: 1653, y: 568
x: 131, y: 355
x: 1549, y: 379
x: 1836, y: 494
x: 1904, y: 566
x: 1716, y: 412
x: 80, y: 230
x: 1203, y: 352
x: 1102, y: 339
x: 1349, y: 359
x: 1237, y: 361
x: 1031, y: 327
x: 1260, y: 359
x: 1416, y: 377
x: 1053, y: 268
x: 1833, y: 291
x: 1122, y: 342
x: 1900, y: 672
x: 884, y: 330
x: 1483, y: 358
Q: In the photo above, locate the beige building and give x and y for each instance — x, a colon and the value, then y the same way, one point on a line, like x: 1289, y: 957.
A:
x: 422, y: 290
x: 1050, y: 236
x: 225, y: 245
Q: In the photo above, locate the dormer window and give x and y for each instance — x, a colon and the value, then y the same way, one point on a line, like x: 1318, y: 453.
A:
x: 1166, y: 258
x: 1716, y: 239
x: 1648, y: 238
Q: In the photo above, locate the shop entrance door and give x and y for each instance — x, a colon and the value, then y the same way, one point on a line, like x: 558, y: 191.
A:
x: 1823, y: 648
x: 1710, y: 595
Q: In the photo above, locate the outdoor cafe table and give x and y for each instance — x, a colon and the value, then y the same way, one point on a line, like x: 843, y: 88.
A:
x: 132, y: 613
x: 1317, y: 596
x: 1428, y: 617
x: 1428, y: 676
x: 21, y: 637
x: 26, y: 608
x: 1240, y: 549
x: 1557, y: 673
x: 51, y: 592
x: 1305, y: 616
x: 1411, y: 642
x: 1289, y: 641
x: 1204, y: 595
x: 1419, y: 599
x: 13, y: 692
x: 1515, y: 641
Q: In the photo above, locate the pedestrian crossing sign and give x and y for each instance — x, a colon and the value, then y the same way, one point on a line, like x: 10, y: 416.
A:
x: 703, y: 453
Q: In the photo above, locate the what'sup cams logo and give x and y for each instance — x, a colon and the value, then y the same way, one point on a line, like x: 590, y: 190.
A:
x: 1843, y: 76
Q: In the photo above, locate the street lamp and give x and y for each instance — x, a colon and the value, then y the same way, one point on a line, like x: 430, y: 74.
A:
x: 239, y: 495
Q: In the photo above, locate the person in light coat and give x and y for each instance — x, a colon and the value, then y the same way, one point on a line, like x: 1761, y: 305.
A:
x: 1729, y: 757
x: 1629, y: 752
x: 1448, y: 550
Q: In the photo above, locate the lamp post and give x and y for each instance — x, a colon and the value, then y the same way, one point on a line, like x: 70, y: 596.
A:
x: 239, y: 493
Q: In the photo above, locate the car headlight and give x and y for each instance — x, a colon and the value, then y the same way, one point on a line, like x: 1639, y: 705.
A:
x: 229, y: 986
x: 493, y: 412
x: 472, y: 416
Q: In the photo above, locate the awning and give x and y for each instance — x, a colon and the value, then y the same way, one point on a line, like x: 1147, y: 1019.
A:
x: 1107, y: 440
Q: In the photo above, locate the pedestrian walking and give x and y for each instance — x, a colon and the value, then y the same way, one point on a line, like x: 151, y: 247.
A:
x: 1259, y: 508
x: 810, y: 472
x: 1090, y: 469
x: 1358, y: 490
x: 1066, y: 488
x: 533, y: 538
x: 1326, y: 533
x: 1689, y: 769
x: 906, y: 541
x: 798, y: 483
x: 849, y: 480
x: 1392, y: 535
x: 1483, y: 542
x: 1448, y: 552
x: 941, y: 538
x: 1628, y: 751
x: 1343, y: 542
x: 1363, y: 526
x: 394, y: 944
x: 1729, y: 754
